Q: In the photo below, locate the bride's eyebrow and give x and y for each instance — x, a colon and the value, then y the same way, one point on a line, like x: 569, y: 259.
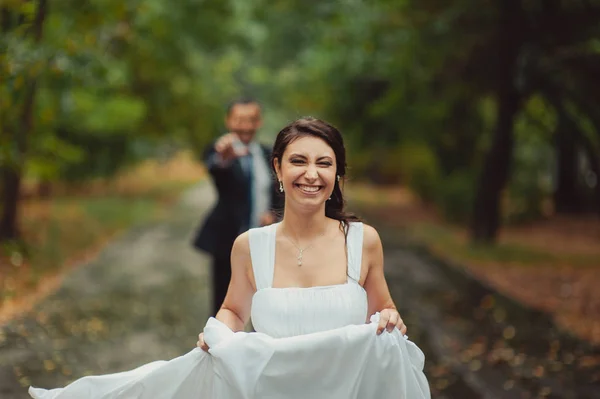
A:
x: 297, y: 155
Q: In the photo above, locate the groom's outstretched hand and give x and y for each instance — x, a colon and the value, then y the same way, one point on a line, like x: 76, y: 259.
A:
x: 388, y: 319
x: 201, y: 344
x: 230, y: 147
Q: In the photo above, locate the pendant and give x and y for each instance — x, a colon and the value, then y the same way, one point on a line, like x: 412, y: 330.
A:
x: 300, y: 258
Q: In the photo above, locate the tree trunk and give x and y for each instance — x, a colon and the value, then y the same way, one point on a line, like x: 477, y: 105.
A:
x: 12, y: 173
x: 11, y: 184
x: 496, y: 168
x: 10, y: 180
x: 44, y: 189
x: 594, y: 157
x: 5, y: 19
x: 495, y: 173
x: 566, y: 198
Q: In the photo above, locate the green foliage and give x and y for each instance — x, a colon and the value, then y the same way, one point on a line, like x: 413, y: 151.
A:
x: 455, y: 195
x: 95, y: 114
x: 389, y: 163
x: 114, y: 74
x: 534, y: 163
x: 420, y: 169
x: 412, y: 85
x: 412, y: 164
x: 359, y: 163
x: 51, y: 148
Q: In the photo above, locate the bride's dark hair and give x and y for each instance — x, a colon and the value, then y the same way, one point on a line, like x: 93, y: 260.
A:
x: 334, y: 208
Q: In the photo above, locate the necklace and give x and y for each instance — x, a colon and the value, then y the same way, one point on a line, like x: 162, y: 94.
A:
x: 301, y: 250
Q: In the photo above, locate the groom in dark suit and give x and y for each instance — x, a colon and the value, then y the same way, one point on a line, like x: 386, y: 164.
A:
x: 247, y: 196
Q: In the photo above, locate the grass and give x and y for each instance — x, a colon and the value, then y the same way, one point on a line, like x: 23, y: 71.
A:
x: 73, y: 225
x: 454, y: 243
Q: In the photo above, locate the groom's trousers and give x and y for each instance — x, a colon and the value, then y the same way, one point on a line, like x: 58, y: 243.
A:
x: 221, y: 274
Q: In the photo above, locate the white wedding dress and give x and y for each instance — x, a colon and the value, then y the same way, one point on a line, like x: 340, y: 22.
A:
x: 310, y: 343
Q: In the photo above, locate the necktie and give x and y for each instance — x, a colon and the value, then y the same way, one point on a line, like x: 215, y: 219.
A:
x: 249, y: 171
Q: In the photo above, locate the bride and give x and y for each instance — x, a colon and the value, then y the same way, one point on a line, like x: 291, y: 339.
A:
x: 309, y: 283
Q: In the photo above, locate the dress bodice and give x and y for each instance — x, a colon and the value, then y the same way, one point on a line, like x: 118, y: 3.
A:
x: 286, y: 312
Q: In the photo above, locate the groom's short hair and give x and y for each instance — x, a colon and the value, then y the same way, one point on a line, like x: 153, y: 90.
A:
x: 242, y: 100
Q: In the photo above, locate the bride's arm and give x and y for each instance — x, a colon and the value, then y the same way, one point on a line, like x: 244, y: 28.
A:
x: 378, y: 293
x: 235, y: 310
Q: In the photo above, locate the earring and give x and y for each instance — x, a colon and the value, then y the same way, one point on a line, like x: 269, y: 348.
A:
x: 280, y: 186
x: 338, y: 177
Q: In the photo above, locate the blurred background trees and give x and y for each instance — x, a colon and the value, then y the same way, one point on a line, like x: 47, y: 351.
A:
x: 487, y: 109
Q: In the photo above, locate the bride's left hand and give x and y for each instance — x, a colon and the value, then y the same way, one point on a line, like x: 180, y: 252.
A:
x: 388, y: 319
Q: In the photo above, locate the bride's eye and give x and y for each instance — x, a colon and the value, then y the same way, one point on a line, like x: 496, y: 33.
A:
x: 296, y: 161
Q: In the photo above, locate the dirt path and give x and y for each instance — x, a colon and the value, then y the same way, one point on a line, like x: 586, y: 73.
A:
x: 144, y: 298
x: 478, y: 343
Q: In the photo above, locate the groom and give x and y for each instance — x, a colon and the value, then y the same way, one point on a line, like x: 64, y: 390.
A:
x: 247, y: 197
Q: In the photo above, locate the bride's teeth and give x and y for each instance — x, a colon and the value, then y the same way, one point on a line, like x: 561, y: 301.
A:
x: 310, y: 189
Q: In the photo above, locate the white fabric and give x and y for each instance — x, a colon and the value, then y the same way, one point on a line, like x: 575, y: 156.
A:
x: 275, y: 310
x: 262, y: 184
x: 354, y: 250
x: 311, y: 343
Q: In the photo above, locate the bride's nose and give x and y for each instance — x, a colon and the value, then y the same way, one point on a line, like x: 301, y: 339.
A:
x: 311, y: 173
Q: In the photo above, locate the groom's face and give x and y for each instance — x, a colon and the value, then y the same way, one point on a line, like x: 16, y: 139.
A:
x: 244, y: 120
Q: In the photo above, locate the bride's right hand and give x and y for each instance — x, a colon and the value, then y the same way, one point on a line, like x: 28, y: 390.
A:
x: 201, y: 344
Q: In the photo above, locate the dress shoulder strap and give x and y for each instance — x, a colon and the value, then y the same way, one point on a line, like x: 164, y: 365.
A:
x: 262, y: 255
x: 355, y: 246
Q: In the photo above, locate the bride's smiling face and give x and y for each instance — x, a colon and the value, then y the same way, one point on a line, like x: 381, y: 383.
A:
x: 307, y: 171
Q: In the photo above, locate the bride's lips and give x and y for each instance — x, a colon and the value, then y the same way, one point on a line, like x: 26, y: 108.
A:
x: 308, y: 189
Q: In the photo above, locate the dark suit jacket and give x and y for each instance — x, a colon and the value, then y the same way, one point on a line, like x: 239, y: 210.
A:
x: 231, y: 214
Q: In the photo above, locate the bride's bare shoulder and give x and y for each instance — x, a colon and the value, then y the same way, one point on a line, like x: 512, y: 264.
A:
x: 371, y: 239
x: 241, y: 246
